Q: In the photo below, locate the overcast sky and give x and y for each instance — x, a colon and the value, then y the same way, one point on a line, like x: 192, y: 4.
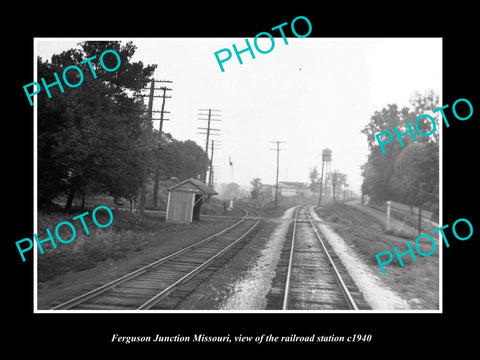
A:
x: 313, y: 93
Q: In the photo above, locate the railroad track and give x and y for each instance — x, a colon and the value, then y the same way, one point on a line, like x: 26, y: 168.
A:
x: 309, y: 275
x: 164, y: 283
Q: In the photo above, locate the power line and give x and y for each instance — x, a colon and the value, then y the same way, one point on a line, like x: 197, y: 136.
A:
x: 210, y: 116
x: 164, y: 89
x: 150, y: 118
x: 278, y: 163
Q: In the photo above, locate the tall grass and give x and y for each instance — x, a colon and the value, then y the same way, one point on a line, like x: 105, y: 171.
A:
x: 126, y: 233
x: 367, y: 237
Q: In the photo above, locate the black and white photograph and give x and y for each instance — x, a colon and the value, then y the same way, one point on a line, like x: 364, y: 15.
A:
x: 253, y: 186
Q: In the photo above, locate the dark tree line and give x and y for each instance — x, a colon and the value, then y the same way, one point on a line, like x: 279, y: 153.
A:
x: 95, y: 138
x: 407, y: 174
x: 181, y: 159
x: 336, y: 179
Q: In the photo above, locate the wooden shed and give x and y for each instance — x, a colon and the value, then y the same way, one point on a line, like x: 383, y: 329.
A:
x: 185, y: 200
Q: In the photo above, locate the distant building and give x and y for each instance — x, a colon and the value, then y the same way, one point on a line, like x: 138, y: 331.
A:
x: 291, y: 188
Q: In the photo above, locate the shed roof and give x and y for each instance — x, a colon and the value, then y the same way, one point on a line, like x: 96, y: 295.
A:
x: 196, y: 183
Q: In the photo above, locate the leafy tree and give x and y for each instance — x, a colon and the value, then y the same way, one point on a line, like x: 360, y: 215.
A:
x: 381, y: 179
x: 384, y: 120
x: 92, y: 137
x: 314, y: 181
x: 339, y: 181
x: 379, y: 171
x: 195, y: 160
x: 256, y: 186
x: 416, y: 177
x: 182, y: 159
x: 425, y: 104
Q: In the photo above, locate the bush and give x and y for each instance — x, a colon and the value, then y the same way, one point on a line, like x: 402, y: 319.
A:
x: 403, y: 233
x: 335, y: 219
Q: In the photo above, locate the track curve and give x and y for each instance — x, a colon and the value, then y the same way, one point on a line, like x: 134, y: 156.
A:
x: 165, y: 282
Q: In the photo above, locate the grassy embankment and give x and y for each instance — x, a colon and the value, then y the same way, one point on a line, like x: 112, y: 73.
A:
x: 367, y: 236
x: 127, y: 234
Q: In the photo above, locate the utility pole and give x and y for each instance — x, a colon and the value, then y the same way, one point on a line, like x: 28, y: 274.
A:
x: 211, y: 173
x: 321, y: 186
x: 326, y: 159
x: 334, y: 180
x: 278, y: 164
x: 211, y: 164
x: 210, y: 116
x: 148, y: 127
x: 143, y: 189
x: 160, y: 135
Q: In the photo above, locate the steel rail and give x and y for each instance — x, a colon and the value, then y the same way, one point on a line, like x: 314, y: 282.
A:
x: 290, y: 260
x: 343, y: 287
x: 164, y: 293
x: 100, y: 290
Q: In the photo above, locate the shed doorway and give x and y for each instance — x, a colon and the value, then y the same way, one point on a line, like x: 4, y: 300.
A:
x: 196, y: 208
